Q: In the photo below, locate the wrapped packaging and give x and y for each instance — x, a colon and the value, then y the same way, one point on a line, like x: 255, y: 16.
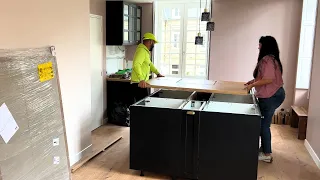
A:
x: 29, y: 91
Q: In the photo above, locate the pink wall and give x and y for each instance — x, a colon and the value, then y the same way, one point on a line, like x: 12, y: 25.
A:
x: 147, y: 26
x: 313, y: 131
x: 239, y: 25
x: 64, y: 24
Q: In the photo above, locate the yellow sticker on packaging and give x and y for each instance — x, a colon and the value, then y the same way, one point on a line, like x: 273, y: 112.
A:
x: 45, y: 71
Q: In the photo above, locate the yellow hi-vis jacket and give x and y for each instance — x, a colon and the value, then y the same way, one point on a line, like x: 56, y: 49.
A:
x: 142, y: 65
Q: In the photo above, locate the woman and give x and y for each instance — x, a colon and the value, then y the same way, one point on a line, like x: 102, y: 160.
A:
x: 268, y: 84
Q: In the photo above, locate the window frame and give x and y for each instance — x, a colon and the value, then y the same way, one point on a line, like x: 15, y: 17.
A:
x: 306, y: 46
x: 184, y: 15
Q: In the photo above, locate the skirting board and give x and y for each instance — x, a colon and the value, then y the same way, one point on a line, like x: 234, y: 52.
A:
x: 312, y: 153
x: 75, y: 158
x: 93, y: 154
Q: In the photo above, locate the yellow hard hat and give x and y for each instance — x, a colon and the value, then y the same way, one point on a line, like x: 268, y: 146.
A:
x: 149, y: 36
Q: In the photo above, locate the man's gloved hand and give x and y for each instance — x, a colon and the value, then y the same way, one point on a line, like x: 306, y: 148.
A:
x: 160, y: 75
x: 142, y: 84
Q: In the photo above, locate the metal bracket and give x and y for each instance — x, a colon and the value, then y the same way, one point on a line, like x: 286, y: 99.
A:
x: 191, y: 113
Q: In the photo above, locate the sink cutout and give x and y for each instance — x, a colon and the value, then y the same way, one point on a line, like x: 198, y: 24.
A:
x: 231, y: 108
x: 171, y: 94
x: 162, y: 103
x: 245, y: 99
x: 200, y: 96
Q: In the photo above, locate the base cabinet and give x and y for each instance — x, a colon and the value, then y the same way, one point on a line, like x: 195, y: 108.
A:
x: 228, y: 146
x: 195, y: 135
x: 190, y: 131
x: 155, y: 137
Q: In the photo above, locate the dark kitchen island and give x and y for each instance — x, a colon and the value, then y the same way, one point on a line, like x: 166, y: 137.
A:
x: 196, y: 135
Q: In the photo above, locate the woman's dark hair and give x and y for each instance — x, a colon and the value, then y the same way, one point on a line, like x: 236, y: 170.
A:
x: 269, y: 46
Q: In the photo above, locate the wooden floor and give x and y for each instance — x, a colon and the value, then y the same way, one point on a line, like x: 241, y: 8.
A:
x: 291, y: 160
x: 102, y: 138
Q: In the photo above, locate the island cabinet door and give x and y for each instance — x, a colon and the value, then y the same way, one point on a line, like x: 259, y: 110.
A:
x: 228, y: 146
x: 190, y: 125
x: 155, y: 137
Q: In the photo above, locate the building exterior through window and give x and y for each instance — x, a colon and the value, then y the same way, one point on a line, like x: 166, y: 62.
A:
x: 177, y: 25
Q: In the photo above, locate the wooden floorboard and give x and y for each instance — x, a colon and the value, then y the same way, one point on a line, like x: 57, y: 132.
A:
x: 102, y: 138
x: 291, y: 160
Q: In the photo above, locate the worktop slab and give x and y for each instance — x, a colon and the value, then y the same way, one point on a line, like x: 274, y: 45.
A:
x: 199, y: 85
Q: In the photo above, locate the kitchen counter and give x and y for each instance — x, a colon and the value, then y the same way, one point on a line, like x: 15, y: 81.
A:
x: 118, y: 79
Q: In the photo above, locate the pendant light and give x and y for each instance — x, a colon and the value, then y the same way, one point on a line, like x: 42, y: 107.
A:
x: 205, y: 16
x: 210, y: 25
x: 199, y: 38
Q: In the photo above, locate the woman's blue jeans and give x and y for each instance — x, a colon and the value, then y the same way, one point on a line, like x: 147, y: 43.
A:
x: 267, y: 108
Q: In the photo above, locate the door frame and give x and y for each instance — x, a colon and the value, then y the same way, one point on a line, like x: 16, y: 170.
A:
x: 102, y: 68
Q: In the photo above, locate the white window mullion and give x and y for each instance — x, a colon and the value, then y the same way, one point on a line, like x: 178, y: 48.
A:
x: 183, y: 45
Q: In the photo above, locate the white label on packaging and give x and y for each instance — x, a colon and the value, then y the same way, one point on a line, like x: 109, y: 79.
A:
x: 56, y: 160
x: 56, y: 142
x: 8, y: 126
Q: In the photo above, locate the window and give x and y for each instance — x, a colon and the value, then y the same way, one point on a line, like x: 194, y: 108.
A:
x: 306, y: 44
x: 177, y: 25
x: 175, y: 39
x: 175, y: 13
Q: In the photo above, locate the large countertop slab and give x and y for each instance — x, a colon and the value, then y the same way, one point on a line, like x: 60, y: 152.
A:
x: 208, y: 86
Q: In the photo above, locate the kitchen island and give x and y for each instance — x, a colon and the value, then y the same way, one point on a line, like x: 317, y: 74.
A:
x: 196, y: 129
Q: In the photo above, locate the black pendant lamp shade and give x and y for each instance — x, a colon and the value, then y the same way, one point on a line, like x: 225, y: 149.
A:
x: 210, y: 26
x: 205, y: 15
x: 199, y: 39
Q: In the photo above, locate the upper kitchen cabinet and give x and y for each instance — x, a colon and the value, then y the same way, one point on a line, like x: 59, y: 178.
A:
x: 123, y: 23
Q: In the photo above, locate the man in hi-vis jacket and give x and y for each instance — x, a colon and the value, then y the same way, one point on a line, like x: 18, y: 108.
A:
x: 142, y: 66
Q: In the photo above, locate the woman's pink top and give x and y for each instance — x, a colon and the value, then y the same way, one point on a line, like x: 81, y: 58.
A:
x: 269, y: 69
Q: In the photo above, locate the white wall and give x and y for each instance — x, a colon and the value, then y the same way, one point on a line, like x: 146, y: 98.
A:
x: 64, y: 24
x: 115, y: 58
x: 313, y: 131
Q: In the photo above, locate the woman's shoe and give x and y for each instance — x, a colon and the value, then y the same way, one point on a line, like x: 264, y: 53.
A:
x: 263, y: 157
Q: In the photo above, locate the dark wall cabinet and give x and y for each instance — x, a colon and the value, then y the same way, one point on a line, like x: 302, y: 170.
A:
x: 123, y: 23
x: 196, y: 135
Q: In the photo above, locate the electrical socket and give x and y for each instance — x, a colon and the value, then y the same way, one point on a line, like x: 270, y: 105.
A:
x: 56, y: 142
x: 56, y: 160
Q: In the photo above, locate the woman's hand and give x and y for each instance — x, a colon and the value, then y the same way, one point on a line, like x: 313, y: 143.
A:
x: 261, y: 82
x: 249, y: 87
x: 249, y: 82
